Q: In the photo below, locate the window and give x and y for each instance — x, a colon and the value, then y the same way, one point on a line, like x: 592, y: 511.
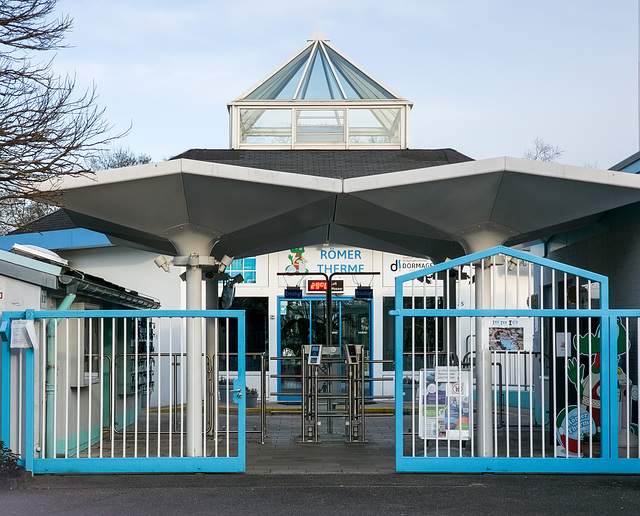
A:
x: 257, y: 327
x: 374, y: 126
x: 265, y: 126
x: 244, y: 266
x: 320, y: 126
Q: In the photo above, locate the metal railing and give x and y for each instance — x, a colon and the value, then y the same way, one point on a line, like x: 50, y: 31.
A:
x: 549, y: 381
x: 338, y: 391
x: 220, y: 391
x: 112, y: 386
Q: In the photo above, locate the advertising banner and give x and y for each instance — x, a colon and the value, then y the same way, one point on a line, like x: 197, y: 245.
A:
x: 444, y: 404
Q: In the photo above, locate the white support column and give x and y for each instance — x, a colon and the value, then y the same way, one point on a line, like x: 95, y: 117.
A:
x: 194, y: 362
x: 475, y: 239
x: 211, y: 330
x: 484, y: 406
x: 194, y: 244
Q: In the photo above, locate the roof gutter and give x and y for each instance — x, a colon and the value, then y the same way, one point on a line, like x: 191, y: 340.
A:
x: 122, y: 297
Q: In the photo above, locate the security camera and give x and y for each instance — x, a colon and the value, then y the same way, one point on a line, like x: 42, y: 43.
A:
x: 162, y: 263
x: 224, y: 263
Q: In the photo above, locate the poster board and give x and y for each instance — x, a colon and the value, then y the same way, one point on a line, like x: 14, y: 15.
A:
x: 507, y: 333
x: 444, y: 404
x: 23, y: 334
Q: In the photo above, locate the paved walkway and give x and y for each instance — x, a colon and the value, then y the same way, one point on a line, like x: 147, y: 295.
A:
x: 283, y: 452
x: 347, y: 479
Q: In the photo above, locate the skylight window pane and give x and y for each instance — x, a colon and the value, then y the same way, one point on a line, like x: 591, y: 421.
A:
x: 320, y: 126
x: 289, y: 90
x: 286, y: 80
x: 374, y: 126
x: 265, y: 126
x: 346, y: 86
x: 362, y: 84
x: 319, y: 83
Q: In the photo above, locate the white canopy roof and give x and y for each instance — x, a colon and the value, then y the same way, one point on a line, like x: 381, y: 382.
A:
x: 189, y: 206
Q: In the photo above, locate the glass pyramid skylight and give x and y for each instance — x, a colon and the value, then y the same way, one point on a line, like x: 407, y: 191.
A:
x: 319, y: 72
x: 319, y: 98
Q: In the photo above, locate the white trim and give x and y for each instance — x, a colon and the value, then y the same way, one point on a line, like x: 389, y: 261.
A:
x: 272, y: 104
x: 335, y: 75
x: 407, y: 127
x: 491, y: 166
x: 202, y: 168
x: 306, y: 69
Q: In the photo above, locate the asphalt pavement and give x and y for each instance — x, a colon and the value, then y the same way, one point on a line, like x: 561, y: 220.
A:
x: 284, y: 476
x: 324, y: 494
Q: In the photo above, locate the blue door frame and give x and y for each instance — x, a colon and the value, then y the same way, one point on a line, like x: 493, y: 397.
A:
x: 311, y: 300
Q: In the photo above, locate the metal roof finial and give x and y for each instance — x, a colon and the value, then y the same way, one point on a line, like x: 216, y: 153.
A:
x: 318, y: 36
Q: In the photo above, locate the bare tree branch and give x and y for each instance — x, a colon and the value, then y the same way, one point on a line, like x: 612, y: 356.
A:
x: 47, y: 128
x: 24, y: 25
x: 543, y: 151
x: 117, y: 158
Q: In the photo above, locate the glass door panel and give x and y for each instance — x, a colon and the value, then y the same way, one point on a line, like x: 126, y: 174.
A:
x: 304, y: 322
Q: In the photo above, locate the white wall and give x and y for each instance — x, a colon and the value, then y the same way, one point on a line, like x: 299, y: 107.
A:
x: 132, y: 269
x: 136, y: 270
x: 17, y: 295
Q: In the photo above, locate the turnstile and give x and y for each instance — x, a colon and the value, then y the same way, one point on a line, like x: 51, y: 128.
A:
x: 333, y: 390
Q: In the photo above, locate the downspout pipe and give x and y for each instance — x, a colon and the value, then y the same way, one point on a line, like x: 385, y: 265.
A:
x: 51, y: 374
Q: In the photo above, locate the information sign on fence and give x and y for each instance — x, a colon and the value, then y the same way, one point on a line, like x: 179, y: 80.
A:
x: 444, y: 404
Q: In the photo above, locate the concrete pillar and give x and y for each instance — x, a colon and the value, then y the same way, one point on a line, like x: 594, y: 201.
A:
x: 194, y: 363
x: 484, y: 406
x: 475, y: 239
x: 211, y: 329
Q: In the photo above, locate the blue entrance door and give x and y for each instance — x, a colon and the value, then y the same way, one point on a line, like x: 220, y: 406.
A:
x: 303, y: 321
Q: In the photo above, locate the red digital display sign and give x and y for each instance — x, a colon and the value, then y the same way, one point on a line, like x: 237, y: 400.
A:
x: 319, y: 286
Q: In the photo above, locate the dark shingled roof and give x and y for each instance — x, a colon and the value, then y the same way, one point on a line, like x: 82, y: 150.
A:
x: 53, y: 222
x: 339, y: 164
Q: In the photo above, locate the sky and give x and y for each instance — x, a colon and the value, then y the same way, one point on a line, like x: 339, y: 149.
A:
x: 486, y: 77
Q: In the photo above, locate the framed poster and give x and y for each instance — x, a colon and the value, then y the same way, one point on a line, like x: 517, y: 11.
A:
x: 444, y: 404
x: 507, y: 333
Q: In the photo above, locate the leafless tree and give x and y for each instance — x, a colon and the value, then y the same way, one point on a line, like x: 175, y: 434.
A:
x: 47, y: 127
x: 543, y: 151
x: 116, y: 158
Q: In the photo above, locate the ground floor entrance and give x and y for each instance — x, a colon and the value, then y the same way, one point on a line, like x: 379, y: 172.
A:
x: 504, y: 362
x: 303, y: 322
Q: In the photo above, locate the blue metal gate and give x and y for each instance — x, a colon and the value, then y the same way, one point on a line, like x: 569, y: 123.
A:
x: 121, y: 391
x: 514, y: 363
